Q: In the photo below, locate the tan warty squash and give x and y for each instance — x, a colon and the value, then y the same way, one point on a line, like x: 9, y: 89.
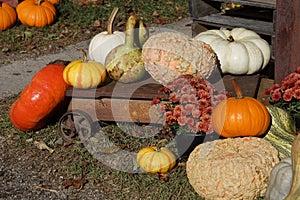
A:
x: 167, y: 55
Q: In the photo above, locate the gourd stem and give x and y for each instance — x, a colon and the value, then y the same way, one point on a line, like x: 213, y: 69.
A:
x: 236, y: 88
x: 230, y: 39
x: 129, y: 36
x: 158, y: 146
x: 84, y: 53
x: 111, y: 20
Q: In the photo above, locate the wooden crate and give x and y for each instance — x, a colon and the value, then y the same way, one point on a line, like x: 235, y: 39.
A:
x: 132, y: 102
x: 282, y: 32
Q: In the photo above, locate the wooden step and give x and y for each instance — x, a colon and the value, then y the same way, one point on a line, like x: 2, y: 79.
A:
x: 221, y: 20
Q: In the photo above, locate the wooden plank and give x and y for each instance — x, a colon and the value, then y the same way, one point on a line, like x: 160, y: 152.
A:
x: 255, y: 3
x: 220, y: 20
x: 287, y: 38
x: 139, y: 90
x: 119, y: 110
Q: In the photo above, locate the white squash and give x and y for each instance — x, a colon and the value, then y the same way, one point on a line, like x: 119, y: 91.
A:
x: 240, y: 51
x: 280, y: 180
x: 102, y: 43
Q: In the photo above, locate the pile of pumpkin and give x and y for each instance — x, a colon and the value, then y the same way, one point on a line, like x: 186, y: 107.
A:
x: 257, y: 137
x: 36, y: 13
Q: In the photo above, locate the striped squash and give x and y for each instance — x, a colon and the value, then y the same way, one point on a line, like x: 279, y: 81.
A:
x: 282, y: 131
x: 154, y: 159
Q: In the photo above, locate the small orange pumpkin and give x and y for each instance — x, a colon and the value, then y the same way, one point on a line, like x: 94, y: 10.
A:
x: 8, y: 16
x: 240, y: 116
x: 36, y: 13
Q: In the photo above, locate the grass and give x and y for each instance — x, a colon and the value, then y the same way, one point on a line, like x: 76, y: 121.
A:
x: 75, y: 23
x: 74, y: 161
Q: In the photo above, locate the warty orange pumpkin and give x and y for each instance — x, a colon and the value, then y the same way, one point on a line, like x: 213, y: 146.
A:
x: 8, y: 16
x: 38, y: 13
x: 240, y: 116
x: 39, y: 99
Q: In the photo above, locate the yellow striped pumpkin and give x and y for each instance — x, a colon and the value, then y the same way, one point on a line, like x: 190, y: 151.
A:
x: 153, y: 159
x: 84, y: 73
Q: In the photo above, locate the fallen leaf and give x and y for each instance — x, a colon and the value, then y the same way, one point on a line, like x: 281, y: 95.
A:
x: 169, y: 3
x: 42, y: 146
x: 160, y: 21
x: 97, y: 23
x: 155, y: 14
x: 163, y: 177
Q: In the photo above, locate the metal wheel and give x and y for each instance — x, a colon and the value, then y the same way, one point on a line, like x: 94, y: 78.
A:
x: 75, y: 123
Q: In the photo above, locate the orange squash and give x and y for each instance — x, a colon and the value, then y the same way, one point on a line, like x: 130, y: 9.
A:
x: 8, y: 16
x: 39, y: 99
x: 36, y: 13
x: 240, y: 116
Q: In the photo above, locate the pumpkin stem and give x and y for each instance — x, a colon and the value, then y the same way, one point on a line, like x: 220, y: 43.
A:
x: 236, y: 88
x: 39, y: 2
x: 84, y: 53
x: 158, y: 145
x: 230, y: 39
x: 111, y: 20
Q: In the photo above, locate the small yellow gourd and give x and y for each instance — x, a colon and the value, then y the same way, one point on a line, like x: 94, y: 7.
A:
x: 84, y: 73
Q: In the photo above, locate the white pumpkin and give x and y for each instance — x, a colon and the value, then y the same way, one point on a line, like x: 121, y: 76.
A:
x: 102, y: 43
x: 240, y: 51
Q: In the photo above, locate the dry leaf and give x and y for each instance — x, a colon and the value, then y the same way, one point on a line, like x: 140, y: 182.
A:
x: 97, y: 23
x: 163, y: 177
x: 160, y: 21
x: 155, y: 14
x: 42, y: 146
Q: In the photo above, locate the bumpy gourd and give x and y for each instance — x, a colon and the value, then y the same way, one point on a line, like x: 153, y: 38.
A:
x: 124, y: 63
x: 168, y: 55
x: 282, y: 131
x: 8, y: 16
x: 240, y: 51
x: 232, y: 168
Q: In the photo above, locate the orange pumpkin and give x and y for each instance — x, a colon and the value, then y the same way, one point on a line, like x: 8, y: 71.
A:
x: 36, y: 13
x: 240, y: 116
x: 39, y: 99
x: 8, y: 16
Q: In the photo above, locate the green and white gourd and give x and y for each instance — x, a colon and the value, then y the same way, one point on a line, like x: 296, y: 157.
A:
x: 282, y: 131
